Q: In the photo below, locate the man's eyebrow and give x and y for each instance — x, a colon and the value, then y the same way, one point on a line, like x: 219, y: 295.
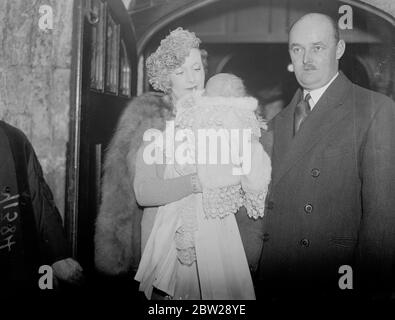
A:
x: 319, y: 43
x: 294, y: 45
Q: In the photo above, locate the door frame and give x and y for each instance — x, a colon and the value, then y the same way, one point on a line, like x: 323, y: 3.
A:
x: 72, y: 152
x: 80, y: 11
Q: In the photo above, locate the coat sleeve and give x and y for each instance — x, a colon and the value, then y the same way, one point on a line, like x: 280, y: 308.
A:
x: 52, y: 239
x: 252, y: 230
x: 376, y: 245
x: 152, y: 190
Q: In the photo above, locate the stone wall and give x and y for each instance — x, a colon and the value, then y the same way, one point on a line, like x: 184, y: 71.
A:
x: 35, y: 65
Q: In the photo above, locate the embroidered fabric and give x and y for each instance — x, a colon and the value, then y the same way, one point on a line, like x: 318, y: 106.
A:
x: 254, y: 202
x: 184, y: 236
x: 220, y: 202
x: 185, y: 245
x: 201, y: 112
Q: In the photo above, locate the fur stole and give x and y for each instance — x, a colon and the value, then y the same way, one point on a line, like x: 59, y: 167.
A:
x: 118, y: 225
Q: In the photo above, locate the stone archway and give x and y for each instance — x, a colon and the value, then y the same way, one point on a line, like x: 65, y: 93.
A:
x: 377, y: 64
x: 384, y: 9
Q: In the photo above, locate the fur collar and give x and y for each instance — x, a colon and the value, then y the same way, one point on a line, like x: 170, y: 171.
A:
x: 117, y: 233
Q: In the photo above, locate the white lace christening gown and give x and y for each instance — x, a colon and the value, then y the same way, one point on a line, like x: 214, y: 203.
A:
x: 195, y: 250
x: 220, y: 270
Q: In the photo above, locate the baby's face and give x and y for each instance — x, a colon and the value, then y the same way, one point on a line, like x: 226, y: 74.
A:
x: 225, y: 85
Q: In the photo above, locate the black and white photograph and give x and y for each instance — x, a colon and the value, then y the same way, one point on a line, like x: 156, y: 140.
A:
x: 197, y: 158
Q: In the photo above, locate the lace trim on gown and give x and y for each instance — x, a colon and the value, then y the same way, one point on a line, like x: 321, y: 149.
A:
x: 184, y: 236
x: 254, y: 202
x: 200, y: 112
x: 220, y: 202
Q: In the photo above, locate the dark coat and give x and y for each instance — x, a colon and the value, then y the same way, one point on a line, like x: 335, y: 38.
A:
x: 332, y: 200
x: 30, y: 223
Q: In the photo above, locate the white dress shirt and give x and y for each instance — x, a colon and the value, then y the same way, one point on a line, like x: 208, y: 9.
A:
x: 317, y: 93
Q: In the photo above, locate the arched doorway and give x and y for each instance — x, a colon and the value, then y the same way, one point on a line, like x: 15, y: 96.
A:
x: 249, y: 38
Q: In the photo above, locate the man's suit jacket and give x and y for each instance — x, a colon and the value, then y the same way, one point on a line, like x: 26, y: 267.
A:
x: 332, y: 198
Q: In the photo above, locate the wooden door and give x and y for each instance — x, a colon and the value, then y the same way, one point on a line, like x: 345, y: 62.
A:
x: 109, y: 80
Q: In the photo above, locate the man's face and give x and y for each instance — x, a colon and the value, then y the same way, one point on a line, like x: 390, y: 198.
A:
x: 314, y: 52
x: 189, y: 76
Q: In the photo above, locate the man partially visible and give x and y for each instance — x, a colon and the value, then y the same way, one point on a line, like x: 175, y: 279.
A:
x: 331, y: 207
x: 271, y: 102
x: 31, y: 231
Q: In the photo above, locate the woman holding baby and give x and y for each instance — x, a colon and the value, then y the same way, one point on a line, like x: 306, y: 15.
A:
x: 190, y: 242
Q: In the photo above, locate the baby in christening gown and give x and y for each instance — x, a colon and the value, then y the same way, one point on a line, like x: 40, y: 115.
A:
x: 225, y: 105
x: 195, y: 249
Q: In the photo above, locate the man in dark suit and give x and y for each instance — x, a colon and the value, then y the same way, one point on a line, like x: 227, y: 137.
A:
x: 31, y: 230
x: 332, y: 200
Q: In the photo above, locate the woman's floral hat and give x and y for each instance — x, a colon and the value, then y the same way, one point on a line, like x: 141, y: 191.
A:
x: 169, y: 56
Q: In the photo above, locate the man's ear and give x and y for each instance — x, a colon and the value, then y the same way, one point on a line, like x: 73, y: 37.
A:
x: 340, y: 48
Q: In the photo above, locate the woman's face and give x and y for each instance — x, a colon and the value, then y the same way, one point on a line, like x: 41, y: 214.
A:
x: 188, y: 77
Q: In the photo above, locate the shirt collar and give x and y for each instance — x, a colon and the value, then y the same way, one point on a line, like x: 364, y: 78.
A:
x: 317, y: 93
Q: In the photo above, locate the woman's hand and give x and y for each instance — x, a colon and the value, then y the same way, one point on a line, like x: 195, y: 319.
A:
x: 217, y: 175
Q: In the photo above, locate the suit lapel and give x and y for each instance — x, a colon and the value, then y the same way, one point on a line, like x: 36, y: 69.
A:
x: 326, y: 113
x: 283, y: 132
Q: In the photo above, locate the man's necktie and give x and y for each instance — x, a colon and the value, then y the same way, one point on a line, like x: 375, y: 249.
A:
x: 301, y: 112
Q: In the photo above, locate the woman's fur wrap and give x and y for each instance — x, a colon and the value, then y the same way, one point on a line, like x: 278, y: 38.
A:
x: 118, y: 225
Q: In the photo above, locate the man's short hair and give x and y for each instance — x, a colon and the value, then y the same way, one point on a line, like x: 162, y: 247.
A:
x: 335, y: 27
x: 332, y: 21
